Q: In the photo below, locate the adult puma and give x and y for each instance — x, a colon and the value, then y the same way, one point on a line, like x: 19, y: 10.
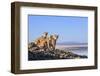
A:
x: 52, y: 42
x: 41, y: 42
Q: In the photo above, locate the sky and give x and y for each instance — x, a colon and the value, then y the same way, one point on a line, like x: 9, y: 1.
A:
x: 69, y: 28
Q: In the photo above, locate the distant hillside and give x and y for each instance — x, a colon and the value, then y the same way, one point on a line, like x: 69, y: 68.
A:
x: 71, y: 43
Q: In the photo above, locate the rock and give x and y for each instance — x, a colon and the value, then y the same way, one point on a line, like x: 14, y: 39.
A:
x: 48, y: 55
x: 34, y: 53
x: 33, y: 49
x: 31, y: 45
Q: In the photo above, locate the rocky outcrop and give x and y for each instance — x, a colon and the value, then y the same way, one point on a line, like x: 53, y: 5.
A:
x: 34, y: 53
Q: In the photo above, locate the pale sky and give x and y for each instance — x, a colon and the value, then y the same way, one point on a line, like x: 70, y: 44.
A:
x: 69, y: 28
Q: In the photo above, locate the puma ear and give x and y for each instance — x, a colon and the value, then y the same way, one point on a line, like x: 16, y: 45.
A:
x: 51, y: 36
x: 57, y: 35
x: 46, y: 33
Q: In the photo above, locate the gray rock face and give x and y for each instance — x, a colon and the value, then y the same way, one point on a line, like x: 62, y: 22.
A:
x: 34, y: 53
x: 48, y: 55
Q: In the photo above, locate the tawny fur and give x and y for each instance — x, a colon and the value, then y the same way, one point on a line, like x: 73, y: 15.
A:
x: 44, y: 42
x: 41, y: 42
x: 52, y: 42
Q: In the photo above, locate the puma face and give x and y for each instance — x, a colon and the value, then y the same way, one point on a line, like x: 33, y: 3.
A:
x: 45, y: 34
x: 55, y: 37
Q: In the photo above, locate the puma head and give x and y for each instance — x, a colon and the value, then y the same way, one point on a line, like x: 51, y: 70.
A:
x: 45, y: 34
x: 55, y: 36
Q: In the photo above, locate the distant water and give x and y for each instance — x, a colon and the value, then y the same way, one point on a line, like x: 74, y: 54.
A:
x: 75, y: 50
x: 80, y: 51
